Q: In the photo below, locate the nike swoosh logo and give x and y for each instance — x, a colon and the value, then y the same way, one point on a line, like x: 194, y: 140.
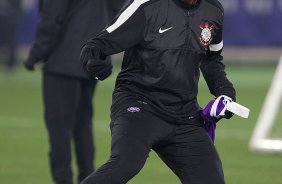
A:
x: 164, y: 30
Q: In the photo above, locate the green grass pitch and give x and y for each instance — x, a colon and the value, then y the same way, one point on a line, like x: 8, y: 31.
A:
x: 24, y: 143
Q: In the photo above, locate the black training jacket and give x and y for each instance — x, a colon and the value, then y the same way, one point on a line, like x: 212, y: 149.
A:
x: 64, y: 26
x: 166, y: 43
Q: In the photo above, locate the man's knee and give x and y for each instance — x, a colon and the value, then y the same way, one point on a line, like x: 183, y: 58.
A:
x: 121, y: 167
x: 118, y: 170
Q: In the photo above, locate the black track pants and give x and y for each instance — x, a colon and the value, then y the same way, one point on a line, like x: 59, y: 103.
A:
x: 68, y: 117
x: 186, y: 149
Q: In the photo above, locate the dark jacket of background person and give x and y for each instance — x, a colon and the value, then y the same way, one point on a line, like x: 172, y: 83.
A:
x: 62, y: 30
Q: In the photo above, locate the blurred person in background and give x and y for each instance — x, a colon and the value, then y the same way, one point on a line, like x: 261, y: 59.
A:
x: 63, y: 27
x: 166, y: 44
x: 10, y: 13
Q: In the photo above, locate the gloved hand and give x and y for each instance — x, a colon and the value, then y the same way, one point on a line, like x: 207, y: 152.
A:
x: 214, y: 111
x: 30, y: 62
x: 99, y: 69
x: 93, y: 64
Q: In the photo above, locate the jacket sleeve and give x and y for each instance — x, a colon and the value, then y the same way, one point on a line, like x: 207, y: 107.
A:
x: 52, y: 16
x: 214, y: 70
x: 126, y: 31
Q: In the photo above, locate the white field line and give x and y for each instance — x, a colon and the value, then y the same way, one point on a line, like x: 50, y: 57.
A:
x: 21, y: 122
x: 103, y: 127
x: 26, y: 122
x: 236, y: 134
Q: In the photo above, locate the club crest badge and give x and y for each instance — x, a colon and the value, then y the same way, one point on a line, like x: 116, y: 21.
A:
x: 206, y: 34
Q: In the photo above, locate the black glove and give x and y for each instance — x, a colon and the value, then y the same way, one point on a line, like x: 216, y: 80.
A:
x: 99, y: 69
x: 92, y: 63
x: 30, y: 62
x: 228, y: 114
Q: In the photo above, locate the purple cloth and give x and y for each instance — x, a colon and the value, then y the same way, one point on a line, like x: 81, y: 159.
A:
x: 210, y: 127
x: 210, y: 122
x: 213, y: 112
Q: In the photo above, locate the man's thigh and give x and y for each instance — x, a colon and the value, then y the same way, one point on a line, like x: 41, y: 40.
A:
x: 143, y: 126
x: 133, y: 134
x: 192, y: 156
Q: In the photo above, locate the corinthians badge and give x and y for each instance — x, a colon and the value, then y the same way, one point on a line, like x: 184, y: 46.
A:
x: 206, y: 34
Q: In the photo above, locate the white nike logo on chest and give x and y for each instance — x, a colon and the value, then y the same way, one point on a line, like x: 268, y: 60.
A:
x: 164, y: 30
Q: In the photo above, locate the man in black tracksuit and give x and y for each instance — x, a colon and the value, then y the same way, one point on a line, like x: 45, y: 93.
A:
x: 166, y: 44
x: 63, y: 27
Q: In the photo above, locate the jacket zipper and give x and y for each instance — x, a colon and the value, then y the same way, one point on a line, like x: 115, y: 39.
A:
x: 189, y: 14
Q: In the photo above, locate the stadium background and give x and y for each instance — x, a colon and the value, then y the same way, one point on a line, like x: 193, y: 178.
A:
x: 253, y: 43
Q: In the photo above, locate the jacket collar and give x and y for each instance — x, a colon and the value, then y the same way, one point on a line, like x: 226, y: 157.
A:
x: 184, y: 6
